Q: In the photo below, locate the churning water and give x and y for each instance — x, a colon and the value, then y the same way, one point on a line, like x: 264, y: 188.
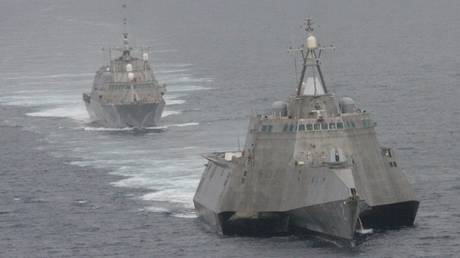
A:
x: 221, y: 60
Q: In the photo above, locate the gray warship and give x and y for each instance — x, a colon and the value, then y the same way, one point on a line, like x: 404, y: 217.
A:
x: 125, y: 92
x: 313, y: 163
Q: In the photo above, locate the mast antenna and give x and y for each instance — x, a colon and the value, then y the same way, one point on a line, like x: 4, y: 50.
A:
x: 310, y: 53
x: 239, y: 147
x: 125, y: 26
x: 308, y: 25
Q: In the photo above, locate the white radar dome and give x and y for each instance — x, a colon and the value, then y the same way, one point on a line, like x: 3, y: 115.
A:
x: 131, y: 76
x: 129, y: 68
x: 312, y: 43
x: 145, y: 56
x: 279, y: 108
x: 347, y: 105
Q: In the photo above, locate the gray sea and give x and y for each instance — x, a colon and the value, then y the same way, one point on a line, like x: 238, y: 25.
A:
x: 70, y: 189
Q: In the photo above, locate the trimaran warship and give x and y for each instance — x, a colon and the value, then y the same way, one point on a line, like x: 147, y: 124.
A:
x: 311, y: 163
x: 125, y: 92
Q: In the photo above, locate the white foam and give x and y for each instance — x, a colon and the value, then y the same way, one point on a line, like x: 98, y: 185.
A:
x: 156, y: 128
x: 173, y: 173
x: 175, y: 195
x: 175, y: 102
x: 185, y: 215
x: 50, y: 76
x: 171, y: 71
x: 182, y: 88
x: 157, y: 209
x: 184, y: 124
x: 75, y: 112
x: 170, y: 113
x: 107, y: 129
x: 37, y: 100
x: 186, y: 79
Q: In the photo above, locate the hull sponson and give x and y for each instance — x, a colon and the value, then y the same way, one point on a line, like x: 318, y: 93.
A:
x: 225, y: 223
x: 228, y: 202
x: 137, y: 115
x: 337, y: 219
x: 265, y: 224
x: 390, y: 216
x: 211, y: 218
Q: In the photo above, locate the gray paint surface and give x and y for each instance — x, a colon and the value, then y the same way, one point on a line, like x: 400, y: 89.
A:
x: 126, y: 93
x: 315, y: 162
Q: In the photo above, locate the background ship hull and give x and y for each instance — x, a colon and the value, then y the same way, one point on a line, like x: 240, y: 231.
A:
x: 137, y: 115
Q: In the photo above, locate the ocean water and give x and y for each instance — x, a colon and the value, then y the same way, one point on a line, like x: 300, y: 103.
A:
x: 221, y: 60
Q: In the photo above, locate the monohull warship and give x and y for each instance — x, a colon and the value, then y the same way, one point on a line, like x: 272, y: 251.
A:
x: 125, y: 92
x: 311, y: 163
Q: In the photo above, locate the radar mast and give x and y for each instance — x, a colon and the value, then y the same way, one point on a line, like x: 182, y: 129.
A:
x: 125, y: 27
x: 311, y: 82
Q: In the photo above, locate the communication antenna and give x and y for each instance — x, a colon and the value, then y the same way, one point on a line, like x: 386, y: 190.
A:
x: 308, y: 23
x: 310, y: 53
x: 239, y: 147
x: 125, y: 26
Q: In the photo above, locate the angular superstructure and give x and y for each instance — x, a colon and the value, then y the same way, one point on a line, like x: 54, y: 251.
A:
x: 125, y: 92
x: 312, y: 162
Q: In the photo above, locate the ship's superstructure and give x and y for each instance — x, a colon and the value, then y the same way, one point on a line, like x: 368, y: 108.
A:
x: 312, y: 163
x: 125, y: 92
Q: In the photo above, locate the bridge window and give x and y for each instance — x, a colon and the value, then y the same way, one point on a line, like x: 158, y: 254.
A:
x: 285, y: 128
x: 324, y: 126
x: 270, y: 127
x: 332, y: 126
x: 309, y: 127
x: 367, y: 123
x: 339, y: 125
x: 352, y: 124
x: 302, y: 127
x: 291, y: 128
x: 316, y: 126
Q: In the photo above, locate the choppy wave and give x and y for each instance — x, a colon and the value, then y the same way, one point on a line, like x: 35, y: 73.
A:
x: 50, y: 76
x: 184, y: 124
x: 170, y: 172
x: 175, y: 102
x: 186, y: 88
x: 185, y: 215
x: 167, y: 113
x: 108, y: 129
x: 176, y: 195
x: 76, y: 112
x: 185, y: 79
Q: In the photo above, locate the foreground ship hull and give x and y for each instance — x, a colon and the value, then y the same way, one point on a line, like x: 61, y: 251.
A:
x: 327, y: 201
x: 336, y: 220
x: 312, y: 163
x: 229, y: 204
x: 137, y: 115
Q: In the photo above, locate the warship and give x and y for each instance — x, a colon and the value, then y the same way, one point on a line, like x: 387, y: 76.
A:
x: 312, y: 163
x: 125, y: 92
